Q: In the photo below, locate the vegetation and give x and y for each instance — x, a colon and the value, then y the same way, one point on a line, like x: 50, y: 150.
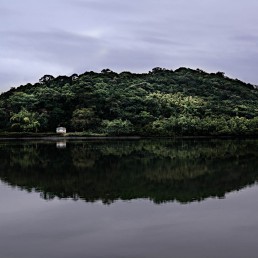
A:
x: 159, y: 103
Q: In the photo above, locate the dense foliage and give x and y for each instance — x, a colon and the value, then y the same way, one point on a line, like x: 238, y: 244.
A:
x: 161, y: 102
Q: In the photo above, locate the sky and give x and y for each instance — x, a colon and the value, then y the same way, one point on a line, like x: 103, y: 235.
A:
x: 62, y: 37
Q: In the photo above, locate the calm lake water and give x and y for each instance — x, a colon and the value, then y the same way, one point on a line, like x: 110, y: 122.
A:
x: 129, y: 199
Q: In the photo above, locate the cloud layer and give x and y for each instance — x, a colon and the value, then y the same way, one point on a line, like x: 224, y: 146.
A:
x: 67, y: 36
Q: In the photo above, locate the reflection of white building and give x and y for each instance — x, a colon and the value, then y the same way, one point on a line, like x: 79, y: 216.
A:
x: 61, y: 145
x: 60, y: 130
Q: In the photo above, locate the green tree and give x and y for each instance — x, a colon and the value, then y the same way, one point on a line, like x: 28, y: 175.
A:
x: 25, y: 121
x: 117, y: 127
x: 22, y: 99
x: 83, y: 119
x: 4, y: 118
x: 161, y: 102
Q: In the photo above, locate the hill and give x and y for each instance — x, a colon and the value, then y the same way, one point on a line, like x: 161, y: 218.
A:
x: 158, y: 103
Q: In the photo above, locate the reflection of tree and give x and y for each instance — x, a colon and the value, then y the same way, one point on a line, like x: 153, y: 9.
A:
x: 161, y: 170
x: 83, y: 157
x: 181, y: 172
x: 24, y: 157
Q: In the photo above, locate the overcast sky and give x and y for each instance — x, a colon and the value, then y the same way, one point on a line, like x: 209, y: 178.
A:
x: 56, y: 37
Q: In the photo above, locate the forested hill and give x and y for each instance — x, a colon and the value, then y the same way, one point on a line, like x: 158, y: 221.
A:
x: 159, y: 103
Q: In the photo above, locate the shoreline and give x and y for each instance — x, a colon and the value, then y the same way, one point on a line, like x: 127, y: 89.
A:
x: 59, y: 137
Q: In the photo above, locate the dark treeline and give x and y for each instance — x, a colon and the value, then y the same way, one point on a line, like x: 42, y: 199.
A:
x: 162, y: 102
x: 161, y: 170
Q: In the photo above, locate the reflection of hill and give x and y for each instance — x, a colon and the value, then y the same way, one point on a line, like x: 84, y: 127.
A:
x: 160, y: 170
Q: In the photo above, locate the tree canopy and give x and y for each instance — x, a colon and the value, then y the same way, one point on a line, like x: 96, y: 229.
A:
x: 161, y: 102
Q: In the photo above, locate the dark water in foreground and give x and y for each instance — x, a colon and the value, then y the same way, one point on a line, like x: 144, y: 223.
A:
x: 146, y: 198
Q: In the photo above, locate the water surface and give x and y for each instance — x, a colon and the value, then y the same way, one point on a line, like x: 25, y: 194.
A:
x: 141, y: 198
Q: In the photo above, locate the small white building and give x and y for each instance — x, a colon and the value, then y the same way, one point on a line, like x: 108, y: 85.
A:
x: 60, y: 130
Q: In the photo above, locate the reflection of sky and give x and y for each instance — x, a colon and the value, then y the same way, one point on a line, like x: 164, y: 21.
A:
x: 67, y: 36
x: 33, y: 227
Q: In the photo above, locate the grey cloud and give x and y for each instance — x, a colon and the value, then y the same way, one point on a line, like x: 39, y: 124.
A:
x: 246, y: 38
x: 53, y: 46
x: 59, y: 37
x: 98, y: 5
x: 136, y: 59
x: 5, y: 11
x: 6, y: 80
x: 161, y: 41
x: 49, y: 42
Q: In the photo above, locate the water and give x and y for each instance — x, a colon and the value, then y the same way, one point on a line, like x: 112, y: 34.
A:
x: 145, y: 198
